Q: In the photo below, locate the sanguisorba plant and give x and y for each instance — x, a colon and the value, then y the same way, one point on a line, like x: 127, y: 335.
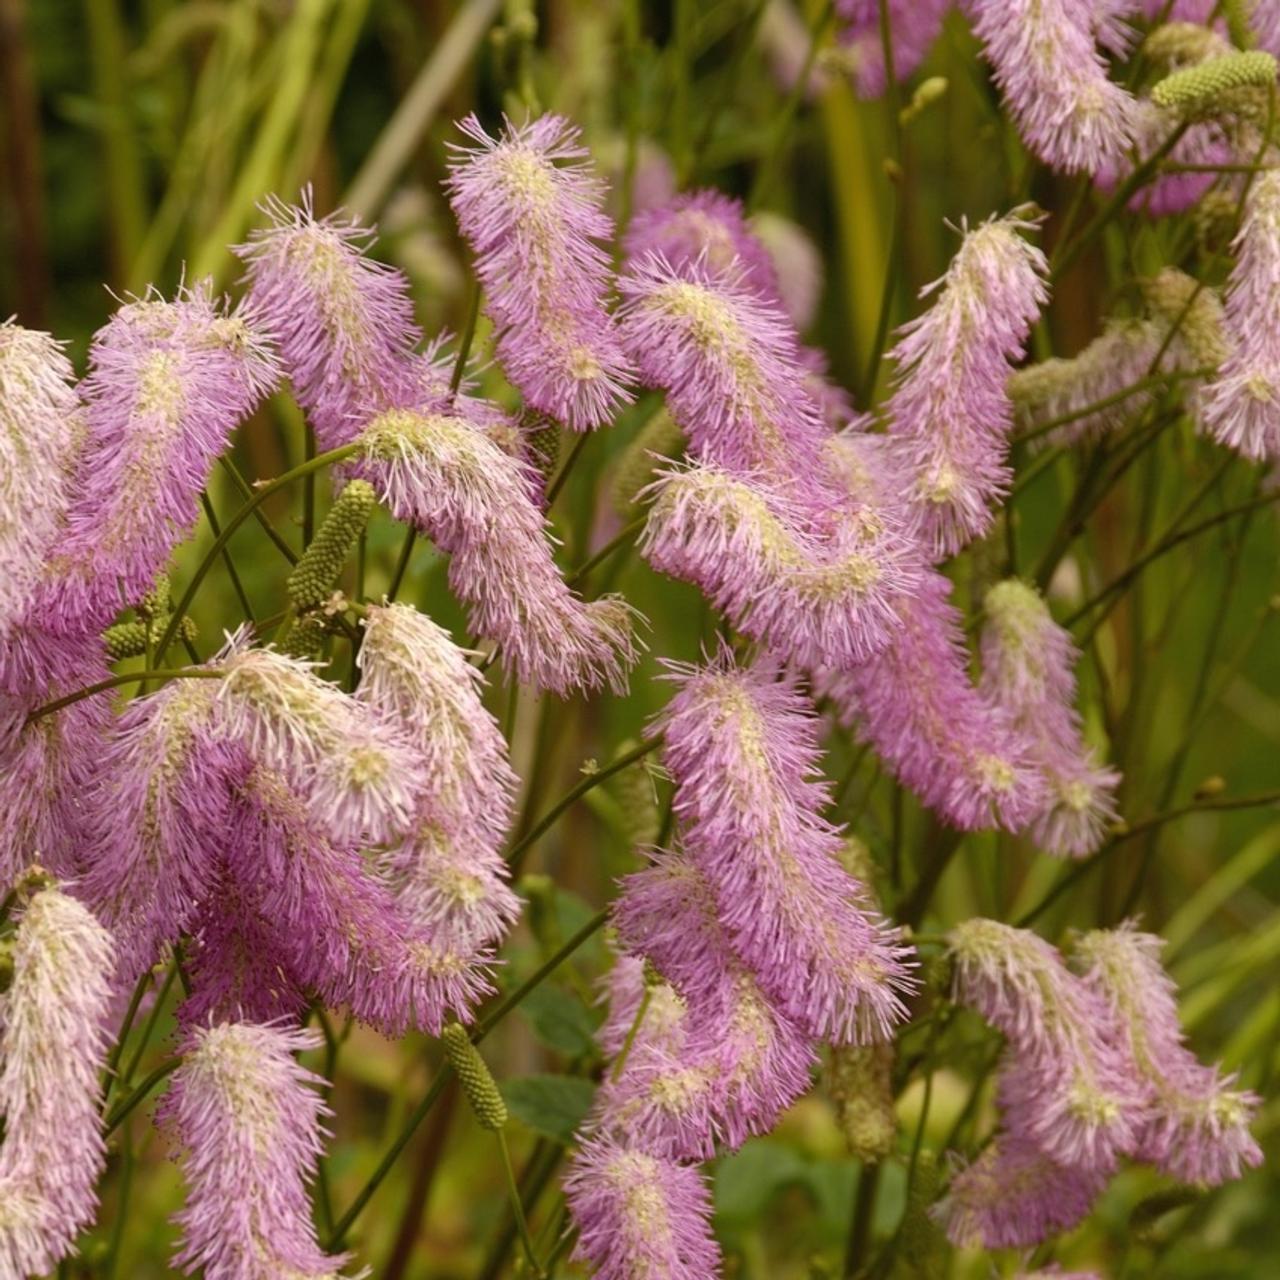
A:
x: 316, y: 819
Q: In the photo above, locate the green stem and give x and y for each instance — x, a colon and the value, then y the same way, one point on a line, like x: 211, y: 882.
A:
x: 624, y: 535
x: 236, y: 584
x: 517, y: 1208
x: 558, y: 481
x: 126, y: 1105
x: 129, y: 677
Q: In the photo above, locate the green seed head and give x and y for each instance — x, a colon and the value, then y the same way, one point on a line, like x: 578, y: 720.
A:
x: 474, y: 1076
x: 316, y: 574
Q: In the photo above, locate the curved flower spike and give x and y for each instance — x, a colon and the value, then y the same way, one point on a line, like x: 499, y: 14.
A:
x: 950, y: 411
x: 167, y: 385
x: 52, y: 1049
x: 249, y: 1118
x: 343, y: 321
x: 441, y: 473
x: 533, y: 214
x: 1054, y: 80
x: 1198, y: 1130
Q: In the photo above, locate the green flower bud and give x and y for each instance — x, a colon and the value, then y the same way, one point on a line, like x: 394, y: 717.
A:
x: 859, y: 1083
x: 1171, y: 293
x: 1214, y: 87
x: 474, y: 1076
x: 636, y: 465
x: 316, y: 574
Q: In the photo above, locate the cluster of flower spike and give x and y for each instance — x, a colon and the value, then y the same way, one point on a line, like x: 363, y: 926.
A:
x: 762, y: 944
x: 1095, y: 1068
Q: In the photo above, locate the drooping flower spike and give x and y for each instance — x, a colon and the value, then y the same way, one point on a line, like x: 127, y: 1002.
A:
x: 52, y: 1049
x: 167, y: 385
x: 448, y: 870
x: 1028, y: 670
x: 1067, y: 1084
x: 1241, y: 408
x: 1054, y: 81
x: 815, y: 601
x: 40, y: 422
x: 640, y: 1216
x: 950, y: 412
x: 742, y: 747
x: 915, y: 703
x: 441, y: 473
x: 532, y: 212
x: 342, y: 320
x: 249, y: 1119
x: 1198, y: 1124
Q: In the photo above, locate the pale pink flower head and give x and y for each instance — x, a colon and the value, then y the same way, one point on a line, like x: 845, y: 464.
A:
x: 1241, y: 407
x: 1198, y: 1127
x: 342, y: 320
x: 639, y: 1215
x: 1066, y: 1084
x: 249, y: 1119
x: 52, y: 1049
x: 532, y: 211
x: 742, y: 747
x: 440, y: 472
x: 1054, y: 80
x: 40, y: 425
x: 1028, y: 670
x: 950, y: 412
x: 1014, y: 1197
x: 168, y: 383
x: 915, y: 703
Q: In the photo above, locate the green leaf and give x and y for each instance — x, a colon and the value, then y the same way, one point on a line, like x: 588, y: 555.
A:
x: 747, y: 1180
x: 553, y: 1106
x: 560, y: 1020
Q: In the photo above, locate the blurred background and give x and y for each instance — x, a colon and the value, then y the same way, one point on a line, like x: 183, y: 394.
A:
x: 138, y: 139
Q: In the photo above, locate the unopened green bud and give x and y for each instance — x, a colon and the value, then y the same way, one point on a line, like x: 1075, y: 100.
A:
x: 129, y: 639
x: 475, y: 1077
x: 305, y: 639
x: 923, y: 1245
x: 859, y: 1083
x: 1214, y: 87
x: 156, y: 603
x: 1215, y: 219
x: 316, y: 574
x: 542, y: 440
x: 930, y: 91
x: 659, y: 438
x: 633, y: 789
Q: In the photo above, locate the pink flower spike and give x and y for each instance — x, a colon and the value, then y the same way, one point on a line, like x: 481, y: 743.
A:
x: 1054, y: 81
x: 1198, y: 1129
x: 1241, y: 407
x: 440, y: 472
x: 950, y: 412
x: 640, y: 1216
x: 168, y: 383
x: 1028, y: 670
x: 343, y: 321
x: 742, y: 746
x: 250, y: 1121
x: 52, y: 1049
x: 915, y: 25
x: 532, y: 212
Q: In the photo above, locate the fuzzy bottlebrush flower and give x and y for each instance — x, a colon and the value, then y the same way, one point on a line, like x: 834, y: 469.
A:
x: 732, y: 1061
x: 915, y: 703
x: 742, y: 746
x: 1054, y: 80
x: 639, y: 1216
x: 343, y: 321
x: 643, y: 1008
x: 40, y: 425
x: 1028, y: 670
x: 729, y: 362
x: 1067, y: 1084
x: 816, y: 601
x: 1119, y: 357
x: 439, y: 472
x: 1198, y: 1129
x: 532, y: 212
x: 915, y: 25
x: 358, y: 772
x: 448, y: 871
x: 1013, y: 1197
x: 706, y: 227
x: 1241, y: 408
x: 160, y: 802
x: 250, y: 1121
x: 950, y: 412
x: 52, y: 1049
x: 168, y: 383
